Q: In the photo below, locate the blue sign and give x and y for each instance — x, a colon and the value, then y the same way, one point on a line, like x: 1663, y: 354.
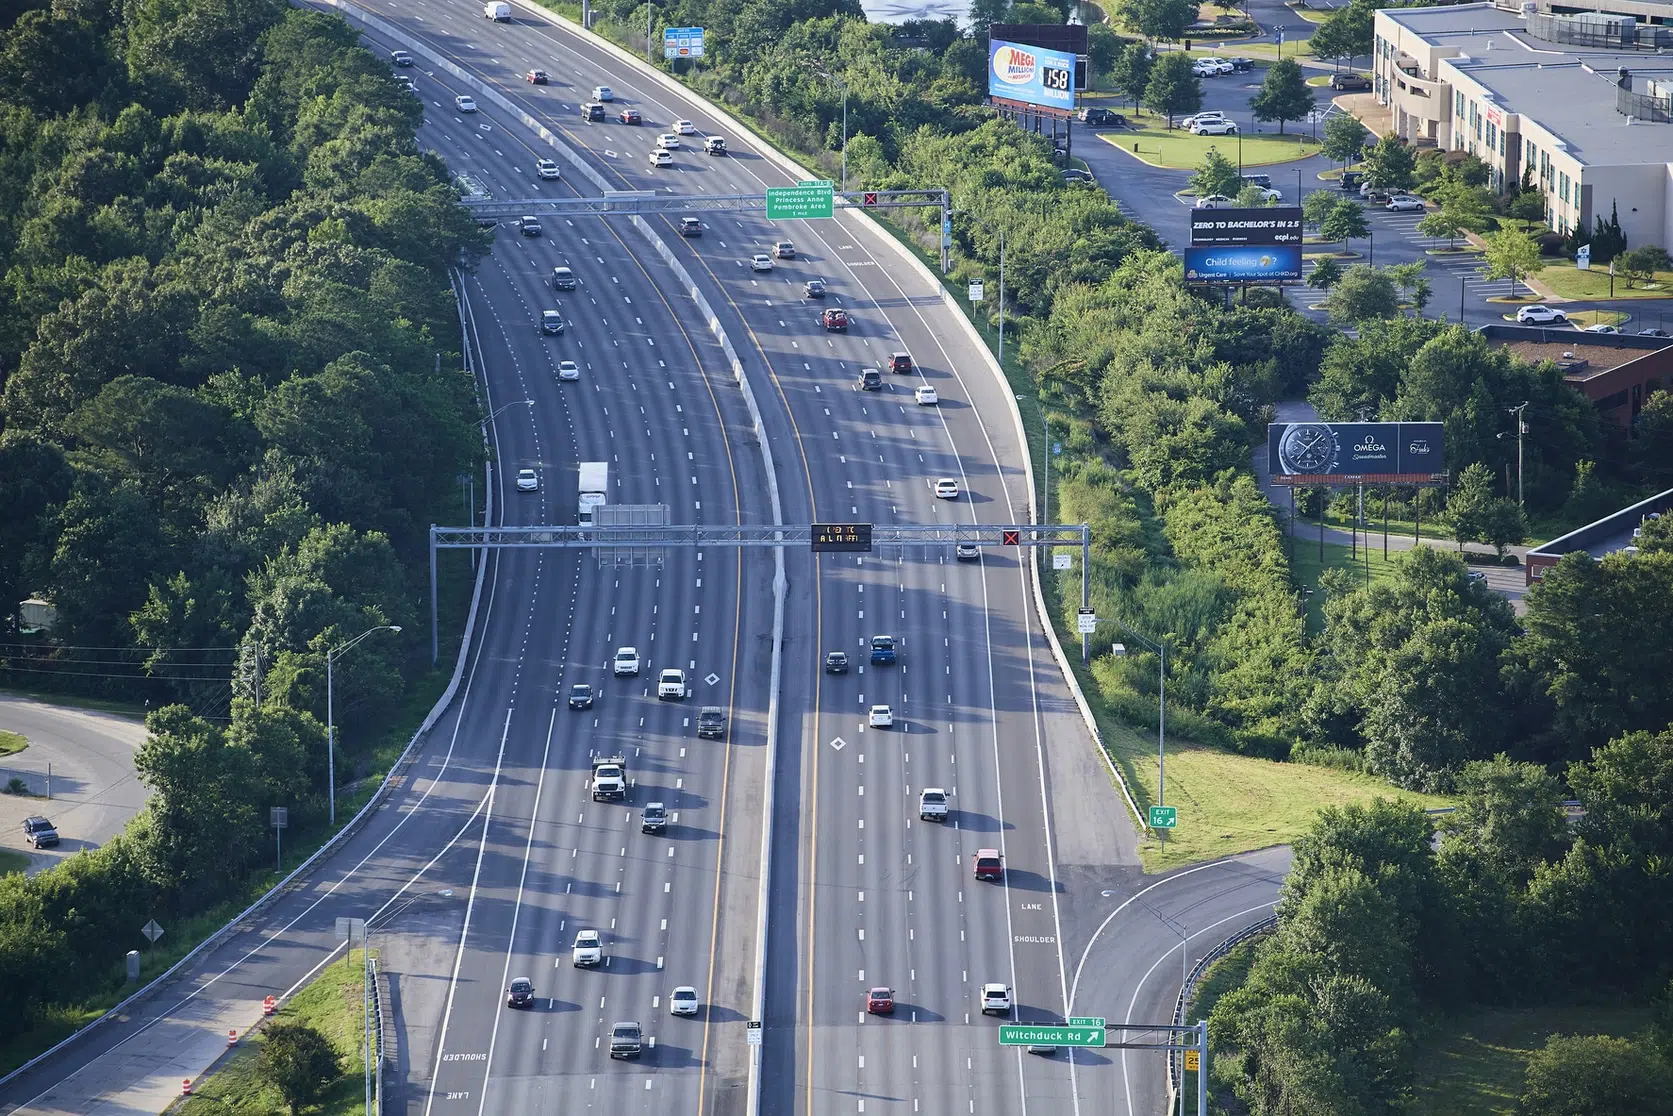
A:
x: 682, y: 42
x: 1264, y: 263
x: 1031, y: 74
x: 1311, y: 452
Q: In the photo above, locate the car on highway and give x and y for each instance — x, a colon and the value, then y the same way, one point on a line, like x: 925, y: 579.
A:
x: 1539, y: 315
x: 661, y: 158
x: 715, y: 145
x: 946, y: 488
x: 1349, y: 83
x: 900, y: 363
x: 527, y: 480
x: 1102, y: 117
x: 568, y: 371
x: 520, y: 993
x: 592, y: 110
x: 685, y: 127
x: 760, y: 262
x: 711, y: 722
x: 880, y: 1001
x: 882, y: 650
x: 967, y: 552
x: 836, y: 662
x: 630, y: 116
x: 834, y: 320
x: 603, y: 93
x: 464, y: 104
x: 625, y: 662
x: 1600, y: 327
x: 989, y: 865
x: 551, y: 322
x: 400, y: 57
x: 996, y: 999
x: 547, y: 168
x: 668, y: 141
x: 581, y: 696
x: 870, y: 380
x: 39, y: 832
x: 563, y: 279
x: 926, y: 397
x: 588, y: 948
x: 528, y: 226
x: 653, y: 818
x: 813, y: 288
x: 932, y: 804
x: 1214, y: 201
x: 784, y: 250
x: 683, y: 1001
x: 691, y: 226
x: 670, y: 685
x: 882, y: 716
x: 1214, y: 128
x: 626, y: 1040
x: 1405, y: 203
x: 406, y: 81
x: 537, y: 77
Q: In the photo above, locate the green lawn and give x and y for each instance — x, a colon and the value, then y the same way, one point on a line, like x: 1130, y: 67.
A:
x: 1568, y: 281
x: 1472, y: 1065
x: 1266, y: 51
x: 12, y: 743
x: 1161, y: 147
x: 13, y: 861
x: 331, y: 1004
x: 1304, y: 563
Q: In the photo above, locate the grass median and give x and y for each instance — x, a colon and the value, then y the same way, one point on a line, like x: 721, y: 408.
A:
x: 11, y: 743
x: 1151, y: 140
x: 1567, y: 281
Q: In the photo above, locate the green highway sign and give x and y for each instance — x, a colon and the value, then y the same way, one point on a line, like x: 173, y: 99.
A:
x: 1051, y: 1036
x: 1086, y: 1021
x: 823, y: 182
x: 1164, y: 817
x: 793, y: 203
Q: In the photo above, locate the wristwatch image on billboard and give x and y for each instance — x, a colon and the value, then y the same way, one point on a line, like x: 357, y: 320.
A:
x: 1307, y: 447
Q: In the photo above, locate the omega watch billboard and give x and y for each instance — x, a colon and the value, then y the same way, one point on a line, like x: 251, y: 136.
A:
x: 1376, y: 452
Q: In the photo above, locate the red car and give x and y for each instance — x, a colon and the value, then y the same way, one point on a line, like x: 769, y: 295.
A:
x: 630, y: 116
x: 536, y: 77
x: 989, y: 865
x: 835, y: 319
x: 880, y: 1001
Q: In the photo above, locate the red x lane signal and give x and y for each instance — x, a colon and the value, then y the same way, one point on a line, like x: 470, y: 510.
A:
x: 870, y: 197
x: 1010, y: 538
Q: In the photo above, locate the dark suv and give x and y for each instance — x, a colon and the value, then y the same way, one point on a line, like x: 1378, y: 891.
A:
x: 870, y: 380
x: 39, y: 832
x: 1102, y: 116
x: 691, y: 226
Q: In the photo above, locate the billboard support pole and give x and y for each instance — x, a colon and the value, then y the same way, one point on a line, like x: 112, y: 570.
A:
x: 1324, y: 502
x: 1385, y: 523
x: 1417, y: 516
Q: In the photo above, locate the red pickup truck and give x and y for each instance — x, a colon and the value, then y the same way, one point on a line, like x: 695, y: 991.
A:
x: 835, y: 319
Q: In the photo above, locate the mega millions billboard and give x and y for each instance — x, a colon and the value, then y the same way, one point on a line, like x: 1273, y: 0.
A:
x: 1031, y: 75
x: 1248, y: 263
x: 1345, y: 452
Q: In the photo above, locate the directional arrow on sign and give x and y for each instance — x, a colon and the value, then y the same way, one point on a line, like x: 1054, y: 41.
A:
x: 838, y: 743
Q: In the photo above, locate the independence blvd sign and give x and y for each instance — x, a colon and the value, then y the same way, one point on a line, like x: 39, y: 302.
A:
x: 794, y: 203
x: 1051, y: 1036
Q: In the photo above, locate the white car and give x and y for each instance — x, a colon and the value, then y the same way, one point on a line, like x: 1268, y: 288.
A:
x: 926, y: 396
x: 464, y: 104
x: 670, y: 685
x: 1269, y: 196
x: 882, y: 716
x: 1539, y: 315
x: 1215, y: 201
x: 588, y: 949
x: 527, y: 480
x: 759, y: 262
x: 668, y: 141
x: 661, y: 158
x: 1206, y: 114
x: 1211, y: 67
x: 625, y: 662
x: 685, y: 127
x: 546, y: 168
x: 683, y: 1001
x: 1404, y: 203
x: 603, y: 93
x: 568, y: 370
x: 996, y: 999
x: 1600, y: 327
x: 1214, y: 128
x: 946, y: 488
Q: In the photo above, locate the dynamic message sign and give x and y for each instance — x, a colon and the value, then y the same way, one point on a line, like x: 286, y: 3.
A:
x: 854, y: 537
x: 1031, y: 75
x: 1238, y: 227
x: 1270, y: 263
x: 1340, y: 452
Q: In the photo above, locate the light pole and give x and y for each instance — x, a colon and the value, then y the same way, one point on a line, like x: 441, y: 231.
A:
x: 1161, y: 649
x: 330, y: 714
x: 1521, y: 429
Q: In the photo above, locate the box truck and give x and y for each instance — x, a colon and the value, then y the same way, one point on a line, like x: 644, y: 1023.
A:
x: 594, y: 488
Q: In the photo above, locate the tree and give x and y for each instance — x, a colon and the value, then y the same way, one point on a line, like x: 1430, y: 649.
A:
x: 1315, y: 207
x: 1509, y: 813
x: 1594, y: 1075
x: 1462, y: 209
x: 1608, y: 241
x: 1391, y: 164
x: 1325, y: 275
x: 1284, y: 94
x: 204, y: 826
x: 1252, y: 196
x: 1528, y: 206
x: 1641, y: 264
x: 1409, y: 277
x: 985, y: 13
x: 1503, y: 524
x: 1103, y: 47
x: 1653, y: 448
x: 1216, y: 174
x: 1344, y: 138
x: 1510, y: 254
x: 298, y: 1062
x: 1344, y: 222
x: 1131, y: 70
x: 1346, y: 34
x: 1033, y: 13
x: 1466, y: 507
x: 1161, y: 19
x: 1173, y: 88
x: 1363, y: 293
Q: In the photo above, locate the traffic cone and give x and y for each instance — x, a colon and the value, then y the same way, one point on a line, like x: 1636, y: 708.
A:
x: 232, y: 1038
x: 269, y: 1006
x: 186, y: 1087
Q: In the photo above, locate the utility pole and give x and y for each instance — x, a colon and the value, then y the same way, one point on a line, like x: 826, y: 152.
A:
x: 1521, y: 429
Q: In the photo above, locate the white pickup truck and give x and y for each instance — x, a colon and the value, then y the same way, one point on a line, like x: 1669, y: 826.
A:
x: 609, y: 777
x: 932, y: 804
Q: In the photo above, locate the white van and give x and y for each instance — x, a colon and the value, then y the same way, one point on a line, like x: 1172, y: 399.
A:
x: 499, y: 12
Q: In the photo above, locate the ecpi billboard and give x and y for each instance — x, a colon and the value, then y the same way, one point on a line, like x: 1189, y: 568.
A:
x: 1379, y: 452
x: 1031, y: 74
x: 1253, y: 263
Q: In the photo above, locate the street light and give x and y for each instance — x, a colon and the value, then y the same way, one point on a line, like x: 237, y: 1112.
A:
x: 330, y: 718
x: 507, y: 407
x: 1521, y: 429
x: 1161, y: 649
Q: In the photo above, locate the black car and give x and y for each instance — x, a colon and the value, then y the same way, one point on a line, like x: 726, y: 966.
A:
x: 520, y: 994
x: 1102, y: 117
x: 1350, y: 180
x: 813, y: 288
x: 563, y: 279
x: 691, y: 226
x: 1241, y: 65
x: 528, y: 226
x: 39, y: 832
x: 592, y: 110
x: 580, y: 696
x: 1349, y: 82
x: 836, y: 662
x: 870, y: 380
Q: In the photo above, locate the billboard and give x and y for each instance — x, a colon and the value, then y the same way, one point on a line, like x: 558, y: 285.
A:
x: 682, y: 42
x: 1266, y: 225
x: 1031, y: 75
x: 1243, y: 264
x: 1343, y: 452
x: 1069, y: 38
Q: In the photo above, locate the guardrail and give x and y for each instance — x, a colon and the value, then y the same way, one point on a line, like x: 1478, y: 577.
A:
x: 1189, y: 988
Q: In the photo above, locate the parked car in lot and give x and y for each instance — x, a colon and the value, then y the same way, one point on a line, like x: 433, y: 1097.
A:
x: 1348, y: 83
x: 1540, y: 315
x: 1215, y: 201
x: 39, y: 832
x: 1600, y: 327
x: 1405, y: 203
x: 1206, y: 114
x: 1213, y: 128
x: 1102, y: 117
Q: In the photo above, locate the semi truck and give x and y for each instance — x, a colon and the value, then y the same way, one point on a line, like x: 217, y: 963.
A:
x: 594, y: 488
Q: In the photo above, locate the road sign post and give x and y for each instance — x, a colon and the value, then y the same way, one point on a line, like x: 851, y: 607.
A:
x: 801, y: 202
x: 1164, y: 817
x: 1028, y: 1035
